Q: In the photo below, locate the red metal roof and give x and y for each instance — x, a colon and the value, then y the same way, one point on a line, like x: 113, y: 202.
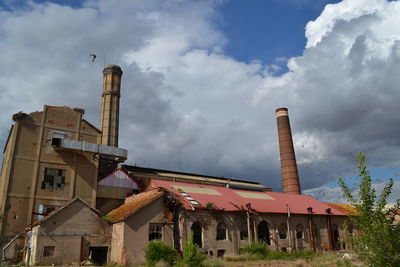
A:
x: 232, y: 200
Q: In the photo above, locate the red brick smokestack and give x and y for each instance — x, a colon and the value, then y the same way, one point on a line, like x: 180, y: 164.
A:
x: 290, y: 176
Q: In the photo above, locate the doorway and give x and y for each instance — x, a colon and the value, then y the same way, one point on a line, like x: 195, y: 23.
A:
x: 263, y: 232
x: 98, y: 255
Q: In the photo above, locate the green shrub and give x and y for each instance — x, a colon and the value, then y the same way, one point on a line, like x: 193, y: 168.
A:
x: 258, y: 249
x: 192, y: 257
x: 158, y: 251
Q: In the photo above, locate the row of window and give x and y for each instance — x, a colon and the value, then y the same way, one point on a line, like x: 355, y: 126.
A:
x: 155, y: 232
x: 262, y: 232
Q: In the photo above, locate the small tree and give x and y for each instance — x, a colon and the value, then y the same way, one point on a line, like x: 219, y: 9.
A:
x: 377, y: 241
x: 192, y: 257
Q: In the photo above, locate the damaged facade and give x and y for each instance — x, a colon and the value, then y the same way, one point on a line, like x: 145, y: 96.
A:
x: 64, y: 198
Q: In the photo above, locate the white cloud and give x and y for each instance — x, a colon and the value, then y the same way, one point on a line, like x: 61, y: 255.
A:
x: 342, y: 92
x: 189, y: 106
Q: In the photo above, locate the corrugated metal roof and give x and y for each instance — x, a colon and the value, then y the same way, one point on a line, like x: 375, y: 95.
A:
x: 133, y: 204
x: 199, y: 178
x: 229, y: 199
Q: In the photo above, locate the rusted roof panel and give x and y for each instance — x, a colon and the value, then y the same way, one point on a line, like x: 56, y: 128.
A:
x: 133, y: 204
x: 229, y: 199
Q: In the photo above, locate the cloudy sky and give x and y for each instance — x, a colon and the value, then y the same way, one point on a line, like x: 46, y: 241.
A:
x: 202, y: 80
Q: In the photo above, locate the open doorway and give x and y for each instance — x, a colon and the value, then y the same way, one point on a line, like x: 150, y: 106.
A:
x: 197, y: 232
x: 98, y: 255
x: 263, y: 232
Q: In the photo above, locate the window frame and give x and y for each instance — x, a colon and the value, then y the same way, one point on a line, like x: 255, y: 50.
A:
x: 243, y: 231
x: 51, y: 179
x: 47, y: 252
x: 156, y: 229
x: 221, y: 226
x: 282, y: 229
x: 299, y: 227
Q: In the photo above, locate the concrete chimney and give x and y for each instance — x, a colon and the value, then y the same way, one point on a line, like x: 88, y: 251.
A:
x: 110, y: 105
x: 290, y: 176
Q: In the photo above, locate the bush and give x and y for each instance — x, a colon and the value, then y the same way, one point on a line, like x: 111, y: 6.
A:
x: 192, y: 257
x: 258, y: 249
x: 158, y: 251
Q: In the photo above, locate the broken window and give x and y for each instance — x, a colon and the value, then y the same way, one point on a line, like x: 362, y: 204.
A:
x: 53, y: 179
x: 282, y: 231
x: 155, y: 231
x: 48, y: 251
x: 221, y: 231
x: 299, y: 231
x: 45, y: 210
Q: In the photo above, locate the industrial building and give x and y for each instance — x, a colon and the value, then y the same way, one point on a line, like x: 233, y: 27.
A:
x: 66, y: 198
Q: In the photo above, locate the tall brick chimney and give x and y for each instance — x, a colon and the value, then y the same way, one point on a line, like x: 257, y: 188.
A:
x: 290, y: 176
x: 110, y: 105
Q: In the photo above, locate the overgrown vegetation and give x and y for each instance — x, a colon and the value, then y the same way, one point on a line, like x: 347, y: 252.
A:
x: 258, y: 249
x: 158, y: 251
x: 261, y: 251
x: 377, y: 241
x: 192, y: 257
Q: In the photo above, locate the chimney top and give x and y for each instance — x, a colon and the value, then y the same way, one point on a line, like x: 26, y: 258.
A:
x: 112, y: 68
x: 281, y: 112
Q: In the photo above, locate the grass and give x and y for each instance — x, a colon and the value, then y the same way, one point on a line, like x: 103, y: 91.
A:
x: 296, y: 259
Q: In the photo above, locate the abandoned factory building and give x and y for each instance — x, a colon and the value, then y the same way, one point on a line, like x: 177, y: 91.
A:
x: 66, y: 197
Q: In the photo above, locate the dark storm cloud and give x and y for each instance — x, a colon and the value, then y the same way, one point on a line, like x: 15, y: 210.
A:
x: 188, y: 106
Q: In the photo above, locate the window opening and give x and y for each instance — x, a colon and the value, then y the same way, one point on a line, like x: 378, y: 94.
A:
x: 299, y: 231
x: 48, y: 251
x: 220, y: 253
x: 282, y: 231
x: 45, y: 210
x: 263, y: 232
x: 221, y: 231
x: 316, y: 230
x: 244, y: 235
x: 155, y: 231
x: 336, y: 236
x: 53, y: 179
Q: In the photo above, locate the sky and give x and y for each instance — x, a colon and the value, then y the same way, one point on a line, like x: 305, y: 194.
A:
x: 202, y: 80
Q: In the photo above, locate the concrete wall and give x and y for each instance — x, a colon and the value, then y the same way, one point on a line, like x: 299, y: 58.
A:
x: 134, y: 233
x: 29, y: 152
x: 72, y: 232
